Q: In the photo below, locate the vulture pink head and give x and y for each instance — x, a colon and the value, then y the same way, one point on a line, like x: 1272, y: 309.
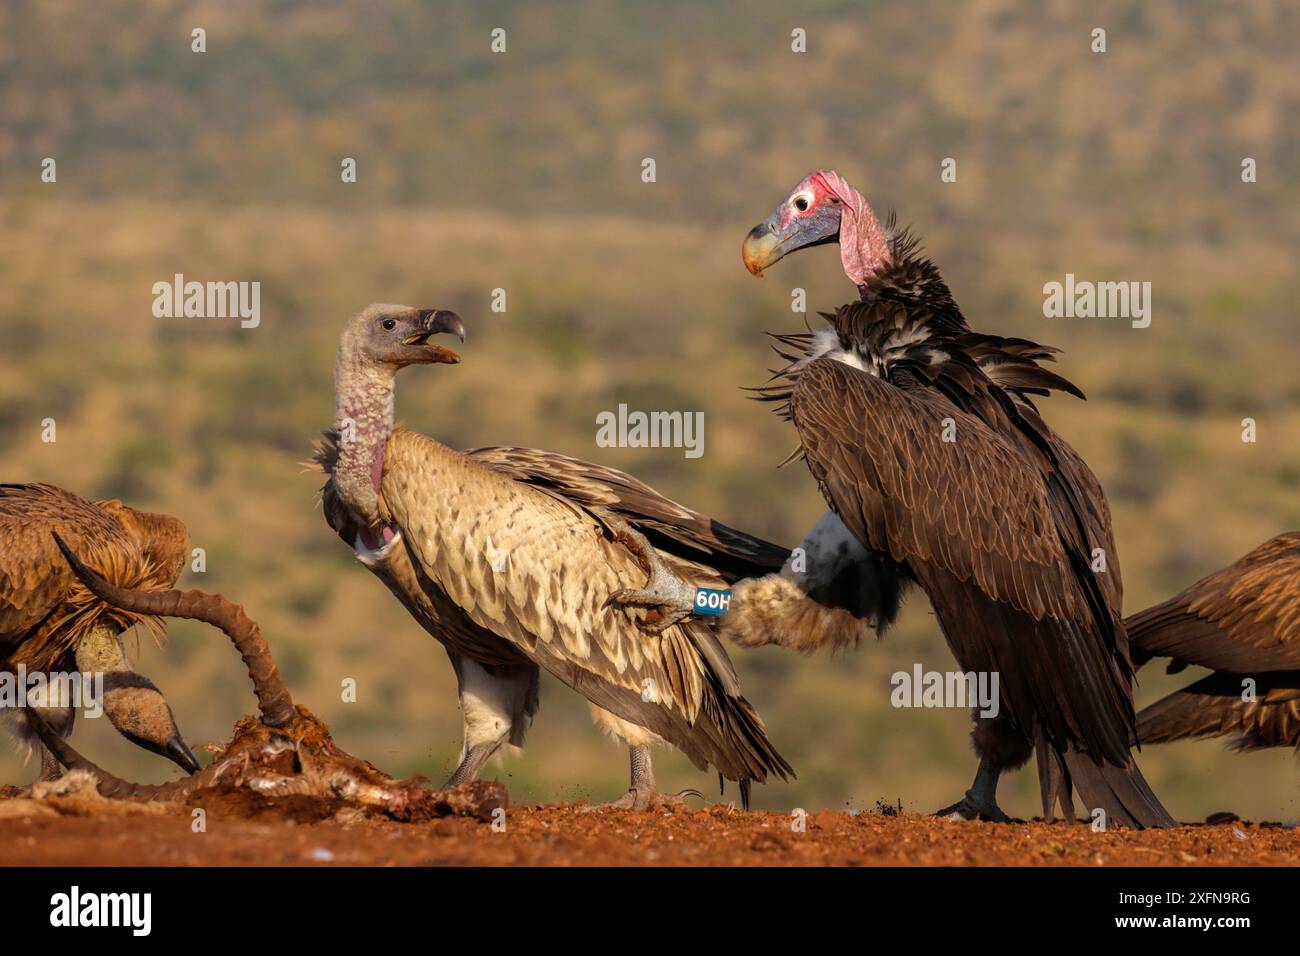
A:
x: 822, y: 208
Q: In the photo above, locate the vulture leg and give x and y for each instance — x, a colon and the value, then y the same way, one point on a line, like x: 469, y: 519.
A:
x: 1001, y: 746
x: 51, y: 769
x: 668, y: 598
x: 59, y: 716
x: 472, y: 763
x: 642, y: 795
x: 61, y: 720
x: 497, y: 705
x: 981, y: 800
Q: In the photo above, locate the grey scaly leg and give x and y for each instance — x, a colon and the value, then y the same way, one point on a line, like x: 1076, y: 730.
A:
x: 642, y: 795
x: 473, y: 761
x: 981, y: 800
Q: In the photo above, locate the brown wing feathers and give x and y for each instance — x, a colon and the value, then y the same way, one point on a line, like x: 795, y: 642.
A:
x: 1243, y: 622
x: 44, y: 609
x: 998, y: 523
x: 1243, y: 618
x: 670, y: 526
x: 1214, y: 707
x: 547, y: 598
x: 967, y: 512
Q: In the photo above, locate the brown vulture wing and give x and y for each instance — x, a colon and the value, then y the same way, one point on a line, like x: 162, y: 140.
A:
x: 670, y: 526
x: 1243, y: 619
x: 547, y: 599
x: 43, y: 606
x: 982, y: 531
x: 1214, y: 706
x: 34, y: 578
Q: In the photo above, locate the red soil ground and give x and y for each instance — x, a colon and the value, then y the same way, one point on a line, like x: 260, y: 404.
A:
x: 563, y: 835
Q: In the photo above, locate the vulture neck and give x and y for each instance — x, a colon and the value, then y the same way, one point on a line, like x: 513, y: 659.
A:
x: 364, y: 418
x: 865, y: 249
x: 864, y: 243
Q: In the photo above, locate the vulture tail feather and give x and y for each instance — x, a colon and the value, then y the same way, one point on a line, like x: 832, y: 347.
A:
x: 1122, y: 792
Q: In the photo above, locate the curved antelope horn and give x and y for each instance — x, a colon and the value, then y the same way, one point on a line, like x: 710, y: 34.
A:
x: 272, y: 695
x: 110, y: 785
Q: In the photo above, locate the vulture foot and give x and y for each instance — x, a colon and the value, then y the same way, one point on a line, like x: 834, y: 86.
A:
x: 646, y: 799
x: 981, y: 800
x: 667, y: 598
x: 970, y: 807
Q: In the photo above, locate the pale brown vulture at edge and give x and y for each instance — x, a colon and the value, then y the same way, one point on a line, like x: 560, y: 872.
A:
x: 1242, y: 622
x: 938, y: 469
x: 50, y: 623
x: 507, y: 556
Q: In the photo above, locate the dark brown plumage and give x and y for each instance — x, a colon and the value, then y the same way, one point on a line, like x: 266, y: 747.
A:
x: 925, y: 441
x: 1243, y: 622
x: 1242, y: 618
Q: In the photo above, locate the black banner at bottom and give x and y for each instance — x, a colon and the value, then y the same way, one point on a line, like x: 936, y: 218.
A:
x: 336, y: 905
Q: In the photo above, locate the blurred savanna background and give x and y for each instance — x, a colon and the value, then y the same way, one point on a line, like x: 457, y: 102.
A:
x: 522, y: 171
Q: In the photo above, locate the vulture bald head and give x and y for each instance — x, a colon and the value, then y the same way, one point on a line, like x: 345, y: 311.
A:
x: 377, y: 342
x: 395, y: 336
x: 822, y: 208
x: 132, y: 702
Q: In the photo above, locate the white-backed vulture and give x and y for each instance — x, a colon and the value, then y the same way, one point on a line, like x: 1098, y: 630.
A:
x: 50, y: 623
x: 925, y: 442
x: 507, y: 556
x: 1242, y: 622
x: 497, y: 685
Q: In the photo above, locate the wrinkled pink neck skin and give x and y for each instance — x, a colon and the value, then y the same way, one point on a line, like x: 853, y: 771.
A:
x: 364, y: 420
x: 864, y: 247
x: 377, y: 465
x: 375, y: 541
x: 369, y: 538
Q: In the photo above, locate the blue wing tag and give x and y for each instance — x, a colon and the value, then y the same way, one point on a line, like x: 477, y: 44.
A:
x: 711, y: 602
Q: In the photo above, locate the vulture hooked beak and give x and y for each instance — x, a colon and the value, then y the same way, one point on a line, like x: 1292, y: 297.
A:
x: 179, y: 753
x: 785, y: 231
x: 432, y: 322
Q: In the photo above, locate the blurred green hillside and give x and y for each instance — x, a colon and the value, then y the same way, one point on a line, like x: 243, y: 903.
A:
x: 521, y: 171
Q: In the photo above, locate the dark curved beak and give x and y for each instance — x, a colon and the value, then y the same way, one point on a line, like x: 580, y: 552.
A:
x: 443, y: 320
x: 180, y: 754
x: 767, y: 243
x: 434, y: 322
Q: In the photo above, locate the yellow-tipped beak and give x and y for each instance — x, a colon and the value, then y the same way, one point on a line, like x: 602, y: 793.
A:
x: 760, y: 248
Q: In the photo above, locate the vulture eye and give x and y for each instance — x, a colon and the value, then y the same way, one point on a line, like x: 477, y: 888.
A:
x: 390, y: 324
x: 801, y: 203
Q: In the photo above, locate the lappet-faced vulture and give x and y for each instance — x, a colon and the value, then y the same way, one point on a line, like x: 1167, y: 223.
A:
x: 52, y: 625
x: 506, y: 556
x: 924, y: 439
x: 1242, y: 622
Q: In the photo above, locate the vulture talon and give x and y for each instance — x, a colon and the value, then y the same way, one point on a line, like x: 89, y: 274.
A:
x: 641, y: 799
x: 656, y: 621
x: 668, y: 599
x: 967, y: 809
